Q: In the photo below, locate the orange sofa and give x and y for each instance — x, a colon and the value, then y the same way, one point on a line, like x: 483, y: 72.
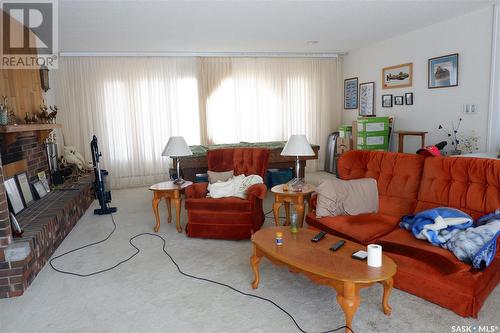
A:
x: 407, y: 184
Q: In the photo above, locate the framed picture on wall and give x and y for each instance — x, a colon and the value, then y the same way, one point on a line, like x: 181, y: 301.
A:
x: 367, y: 99
x: 351, y: 93
x: 443, y: 71
x: 398, y: 100
x: 398, y: 76
x: 409, y: 98
x: 13, y: 196
x: 387, y: 101
x: 25, y: 188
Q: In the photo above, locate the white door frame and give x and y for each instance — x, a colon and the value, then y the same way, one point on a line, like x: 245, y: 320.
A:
x: 493, y: 136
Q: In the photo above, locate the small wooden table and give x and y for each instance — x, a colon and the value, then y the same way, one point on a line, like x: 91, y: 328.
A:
x: 334, y: 269
x: 401, y: 138
x: 170, y: 192
x: 286, y: 197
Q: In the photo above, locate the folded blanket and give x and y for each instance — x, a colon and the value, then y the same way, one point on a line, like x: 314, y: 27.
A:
x: 477, y: 245
x: 234, y: 187
x: 436, y: 225
x: 452, y: 229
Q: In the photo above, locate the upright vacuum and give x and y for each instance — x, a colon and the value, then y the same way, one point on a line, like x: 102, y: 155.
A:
x: 101, y: 194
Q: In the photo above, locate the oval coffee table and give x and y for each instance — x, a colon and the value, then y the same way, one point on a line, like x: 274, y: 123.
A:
x: 171, y: 192
x: 335, y: 269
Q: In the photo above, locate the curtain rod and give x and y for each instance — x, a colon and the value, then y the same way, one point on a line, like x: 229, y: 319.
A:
x: 203, y: 54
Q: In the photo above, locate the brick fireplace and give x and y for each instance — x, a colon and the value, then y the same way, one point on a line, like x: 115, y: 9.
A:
x: 45, y: 223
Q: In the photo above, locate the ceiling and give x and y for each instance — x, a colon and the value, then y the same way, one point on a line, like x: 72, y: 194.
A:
x: 244, y: 26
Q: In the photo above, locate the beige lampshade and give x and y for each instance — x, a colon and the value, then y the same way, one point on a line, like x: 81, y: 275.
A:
x: 176, y: 146
x: 297, y: 145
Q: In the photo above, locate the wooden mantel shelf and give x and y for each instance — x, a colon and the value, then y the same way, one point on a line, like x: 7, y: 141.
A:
x: 11, y: 132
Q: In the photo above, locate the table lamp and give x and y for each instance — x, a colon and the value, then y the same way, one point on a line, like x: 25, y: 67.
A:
x: 297, y: 146
x: 176, y: 147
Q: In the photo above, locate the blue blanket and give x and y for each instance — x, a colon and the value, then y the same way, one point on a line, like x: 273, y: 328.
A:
x: 452, y: 229
x: 436, y: 225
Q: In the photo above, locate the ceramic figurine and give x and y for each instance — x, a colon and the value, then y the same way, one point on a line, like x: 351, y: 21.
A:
x: 52, y: 115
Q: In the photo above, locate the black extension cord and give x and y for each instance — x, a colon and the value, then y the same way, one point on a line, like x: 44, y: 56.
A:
x: 137, y: 250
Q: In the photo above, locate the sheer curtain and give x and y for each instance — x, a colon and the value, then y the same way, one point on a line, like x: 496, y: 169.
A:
x: 133, y: 105
x: 268, y: 99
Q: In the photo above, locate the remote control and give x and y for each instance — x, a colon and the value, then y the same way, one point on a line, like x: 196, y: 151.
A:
x: 337, y: 245
x: 318, y: 237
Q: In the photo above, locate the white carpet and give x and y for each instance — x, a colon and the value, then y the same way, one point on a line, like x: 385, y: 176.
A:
x: 147, y: 294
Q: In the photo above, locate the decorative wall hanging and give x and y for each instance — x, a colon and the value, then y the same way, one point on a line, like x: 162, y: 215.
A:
x: 387, y: 101
x: 443, y: 71
x: 398, y: 76
x: 409, y: 98
x: 367, y: 99
x: 351, y: 93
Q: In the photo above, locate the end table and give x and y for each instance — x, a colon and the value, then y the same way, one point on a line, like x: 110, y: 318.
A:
x: 171, y: 192
x: 296, y: 198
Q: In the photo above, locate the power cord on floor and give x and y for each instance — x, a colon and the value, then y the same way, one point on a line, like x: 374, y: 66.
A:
x: 137, y: 250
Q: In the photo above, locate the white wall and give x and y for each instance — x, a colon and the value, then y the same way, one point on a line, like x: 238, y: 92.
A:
x: 470, y: 36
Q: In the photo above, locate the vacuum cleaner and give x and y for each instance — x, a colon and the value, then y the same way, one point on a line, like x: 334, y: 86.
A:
x: 101, y: 194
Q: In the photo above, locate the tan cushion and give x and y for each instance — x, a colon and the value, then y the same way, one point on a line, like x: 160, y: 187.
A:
x: 214, y: 177
x: 347, y: 197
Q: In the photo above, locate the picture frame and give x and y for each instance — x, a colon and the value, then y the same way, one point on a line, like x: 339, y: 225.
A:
x: 17, y: 231
x: 39, y: 189
x: 409, y: 98
x: 387, y: 101
x: 442, y: 72
x: 367, y: 99
x: 43, y: 178
x: 351, y: 93
x: 398, y: 100
x: 14, y: 198
x: 398, y: 76
x: 25, y: 188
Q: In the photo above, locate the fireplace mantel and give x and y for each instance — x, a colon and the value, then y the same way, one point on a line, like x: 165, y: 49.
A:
x: 11, y: 132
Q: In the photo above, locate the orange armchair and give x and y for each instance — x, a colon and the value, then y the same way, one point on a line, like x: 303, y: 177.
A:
x: 228, y: 218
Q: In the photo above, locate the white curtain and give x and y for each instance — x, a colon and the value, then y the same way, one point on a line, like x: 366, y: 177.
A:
x: 268, y: 99
x: 135, y: 104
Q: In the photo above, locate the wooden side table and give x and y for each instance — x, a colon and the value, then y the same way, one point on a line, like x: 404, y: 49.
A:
x: 286, y: 197
x: 170, y: 192
x: 401, y: 138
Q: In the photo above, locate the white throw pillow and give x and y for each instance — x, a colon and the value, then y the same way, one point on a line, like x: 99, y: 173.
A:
x: 224, y: 176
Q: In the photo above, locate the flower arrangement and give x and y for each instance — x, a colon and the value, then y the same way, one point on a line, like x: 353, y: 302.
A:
x: 468, y: 144
x: 452, y: 135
